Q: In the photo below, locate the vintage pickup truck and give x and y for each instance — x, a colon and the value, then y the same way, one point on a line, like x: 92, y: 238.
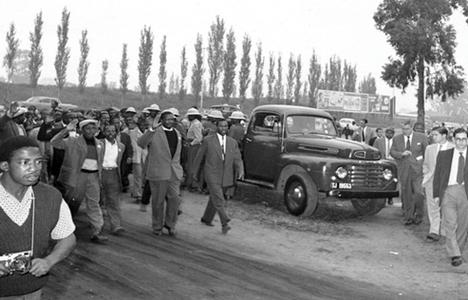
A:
x: 296, y: 151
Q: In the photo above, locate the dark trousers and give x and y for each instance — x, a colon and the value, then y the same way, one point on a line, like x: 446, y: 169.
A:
x: 216, y: 203
x: 111, y: 196
x: 165, y: 202
x: 412, y: 197
x: 146, y: 195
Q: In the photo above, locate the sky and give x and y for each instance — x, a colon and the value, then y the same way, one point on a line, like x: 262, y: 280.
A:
x: 333, y: 27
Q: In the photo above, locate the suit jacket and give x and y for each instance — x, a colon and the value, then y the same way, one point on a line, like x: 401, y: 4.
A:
x: 8, y: 128
x: 381, y: 144
x: 217, y: 170
x: 119, y: 156
x: 159, y: 163
x: 442, y: 173
x: 75, y: 154
x: 368, y: 134
x: 413, y: 162
x: 430, y: 159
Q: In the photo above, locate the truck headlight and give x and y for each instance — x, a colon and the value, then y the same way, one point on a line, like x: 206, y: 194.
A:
x: 387, y: 174
x: 341, y: 172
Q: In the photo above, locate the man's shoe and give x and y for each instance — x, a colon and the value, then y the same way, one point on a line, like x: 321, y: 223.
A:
x: 118, y: 230
x: 170, y: 231
x: 432, y: 237
x: 225, y: 229
x: 417, y: 221
x: 390, y: 201
x: 157, y: 232
x: 99, y: 238
x: 142, y: 207
x: 206, y: 222
x: 456, y: 261
x: 408, y: 222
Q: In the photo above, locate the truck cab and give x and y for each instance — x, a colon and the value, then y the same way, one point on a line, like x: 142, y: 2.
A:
x: 296, y: 150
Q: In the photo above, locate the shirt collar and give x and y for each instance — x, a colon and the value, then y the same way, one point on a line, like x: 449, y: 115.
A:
x: 221, y: 137
x: 167, y: 129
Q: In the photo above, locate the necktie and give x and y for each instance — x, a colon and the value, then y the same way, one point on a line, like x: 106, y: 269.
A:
x: 461, y: 167
x: 363, y: 136
x: 387, y: 151
x: 408, y: 144
x: 222, y: 147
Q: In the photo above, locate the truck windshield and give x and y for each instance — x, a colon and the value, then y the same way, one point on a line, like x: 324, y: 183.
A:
x: 307, y: 124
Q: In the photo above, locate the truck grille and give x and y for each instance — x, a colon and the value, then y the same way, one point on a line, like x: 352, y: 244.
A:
x: 366, y: 176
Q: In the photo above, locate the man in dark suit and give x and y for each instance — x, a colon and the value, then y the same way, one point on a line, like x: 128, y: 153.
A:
x: 223, y: 164
x: 408, y: 150
x: 450, y: 189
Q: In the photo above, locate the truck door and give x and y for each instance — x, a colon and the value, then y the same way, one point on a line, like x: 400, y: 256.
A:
x: 262, y: 146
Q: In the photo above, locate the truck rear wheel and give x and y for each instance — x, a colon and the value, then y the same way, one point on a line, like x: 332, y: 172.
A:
x: 368, y: 207
x: 301, y: 195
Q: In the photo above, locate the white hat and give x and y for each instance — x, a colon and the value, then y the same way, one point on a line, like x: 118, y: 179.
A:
x: 216, y: 114
x: 174, y: 111
x: 131, y: 110
x: 20, y: 111
x: 86, y: 122
x: 2, y: 108
x: 193, y: 111
x: 153, y: 107
x: 237, y: 115
x: 145, y: 111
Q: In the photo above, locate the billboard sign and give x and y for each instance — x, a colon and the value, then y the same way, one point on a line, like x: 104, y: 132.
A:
x: 353, y: 102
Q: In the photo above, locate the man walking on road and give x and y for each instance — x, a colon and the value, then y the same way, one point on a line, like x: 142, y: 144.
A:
x: 163, y: 170
x: 451, y: 190
x: 408, y: 150
x: 223, y: 165
x: 439, y: 136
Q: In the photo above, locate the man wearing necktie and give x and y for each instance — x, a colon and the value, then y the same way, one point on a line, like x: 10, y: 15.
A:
x: 439, y: 137
x: 408, y: 150
x: 450, y: 190
x: 222, y: 165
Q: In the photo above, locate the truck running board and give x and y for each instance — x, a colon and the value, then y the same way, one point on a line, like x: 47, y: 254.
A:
x: 260, y: 182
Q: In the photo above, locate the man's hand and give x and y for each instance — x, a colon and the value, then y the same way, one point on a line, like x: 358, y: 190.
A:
x: 406, y: 153
x: 240, y: 176
x: 3, y: 270
x: 40, y: 267
x: 72, y: 125
x: 195, y: 177
x: 129, y: 160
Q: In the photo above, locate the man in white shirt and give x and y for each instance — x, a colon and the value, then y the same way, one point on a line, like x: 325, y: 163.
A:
x: 110, y: 177
x: 439, y: 136
x: 32, y: 214
x: 450, y: 187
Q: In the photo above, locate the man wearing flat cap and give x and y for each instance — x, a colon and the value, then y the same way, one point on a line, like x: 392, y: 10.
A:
x: 12, y: 123
x: 81, y: 172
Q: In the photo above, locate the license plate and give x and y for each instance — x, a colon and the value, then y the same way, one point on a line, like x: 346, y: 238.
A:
x: 345, y: 185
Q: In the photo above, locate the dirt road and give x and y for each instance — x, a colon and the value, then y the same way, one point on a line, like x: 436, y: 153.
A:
x: 268, y: 255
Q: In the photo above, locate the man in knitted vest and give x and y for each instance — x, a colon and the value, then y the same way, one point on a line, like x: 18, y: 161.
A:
x: 33, y: 219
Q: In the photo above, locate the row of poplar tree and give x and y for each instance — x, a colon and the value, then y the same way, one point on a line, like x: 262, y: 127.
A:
x: 337, y: 74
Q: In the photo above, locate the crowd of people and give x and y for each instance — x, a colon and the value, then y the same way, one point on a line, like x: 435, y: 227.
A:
x: 88, y: 157
x: 432, y: 176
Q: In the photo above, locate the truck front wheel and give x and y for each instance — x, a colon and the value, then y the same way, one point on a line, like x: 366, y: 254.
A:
x: 368, y: 207
x: 301, y: 195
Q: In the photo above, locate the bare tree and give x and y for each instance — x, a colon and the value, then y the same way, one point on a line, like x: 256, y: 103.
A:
x: 35, y: 55
x: 257, y: 86
x: 162, y: 75
x: 298, y: 84
x: 215, y: 54
x: 105, y: 67
x: 145, y: 59
x: 229, y: 66
x: 290, y: 79
x: 123, y: 71
x: 9, y: 59
x: 63, y: 52
x: 271, y: 78
x: 197, y: 70
x: 244, y: 74
x: 84, y: 63
x: 183, y: 75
